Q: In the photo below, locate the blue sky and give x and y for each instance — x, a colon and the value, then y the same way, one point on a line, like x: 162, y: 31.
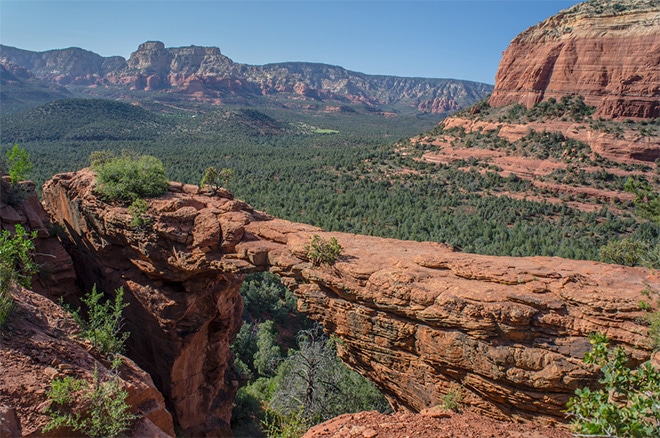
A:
x: 460, y: 39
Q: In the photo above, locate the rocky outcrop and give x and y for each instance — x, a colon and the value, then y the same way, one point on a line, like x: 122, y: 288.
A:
x: 38, y: 345
x: 621, y: 147
x: 438, y: 105
x: 203, y: 73
x: 608, y: 52
x: 184, y: 309
x: 415, y: 318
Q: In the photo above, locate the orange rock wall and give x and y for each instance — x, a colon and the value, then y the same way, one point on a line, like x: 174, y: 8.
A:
x: 613, y: 61
x: 182, y: 318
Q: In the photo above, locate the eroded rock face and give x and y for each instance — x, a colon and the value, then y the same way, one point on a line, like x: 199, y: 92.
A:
x: 414, y: 317
x: 184, y: 309
x: 610, y: 55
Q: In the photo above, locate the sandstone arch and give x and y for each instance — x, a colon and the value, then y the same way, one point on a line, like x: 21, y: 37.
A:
x: 414, y: 316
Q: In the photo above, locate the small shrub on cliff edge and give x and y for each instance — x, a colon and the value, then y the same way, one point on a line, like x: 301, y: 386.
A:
x: 16, y: 266
x: 627, y: 252
x: 19, y: 164
x: 627, y: 404
x: 138, y: 210
x: 214, y: 178
x: 323, y: 252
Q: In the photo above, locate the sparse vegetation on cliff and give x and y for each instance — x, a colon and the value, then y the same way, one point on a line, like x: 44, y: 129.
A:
x: 628, y: 403
x: 106, y: 413
x: 103, y: 325
x: 19, y: 164
x: 322, y: 251
x: 16, y: 266
x: 216, y: 178
x: 138, y: 210
x: 96, y: 408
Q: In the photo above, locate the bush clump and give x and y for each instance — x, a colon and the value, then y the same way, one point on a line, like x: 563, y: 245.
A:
x: 216, y: 178
x: 19, y: 163
x: 323, y: 252
x: 628, y: 402
x: 129, y: 176
x: 627, y: 252
x: 106, y: 414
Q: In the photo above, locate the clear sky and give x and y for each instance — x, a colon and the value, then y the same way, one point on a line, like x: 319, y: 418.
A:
x: 459, y: 39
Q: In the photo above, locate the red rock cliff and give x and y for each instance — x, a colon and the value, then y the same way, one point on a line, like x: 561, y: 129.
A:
x: 414, y: 317
x: 609, y: 54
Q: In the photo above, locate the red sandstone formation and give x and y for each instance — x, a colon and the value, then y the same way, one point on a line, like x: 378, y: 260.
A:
x: 204, y: 74
x: 416, y: 318
x: 438, y: 105
x: 629, y: 146
x: 609, y: 54
x: 37, y: 347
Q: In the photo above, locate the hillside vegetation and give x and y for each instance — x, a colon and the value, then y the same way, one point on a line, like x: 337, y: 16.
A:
x: 363, y: 176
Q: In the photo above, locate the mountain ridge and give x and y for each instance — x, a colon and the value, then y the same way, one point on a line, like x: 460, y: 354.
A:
x: 205, y: 74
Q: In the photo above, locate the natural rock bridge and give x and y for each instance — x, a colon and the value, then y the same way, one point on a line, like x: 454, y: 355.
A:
x: 414, y: 317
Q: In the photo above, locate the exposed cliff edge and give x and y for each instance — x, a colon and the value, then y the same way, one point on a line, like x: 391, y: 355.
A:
x: 413, y: 317
x: 608, y: 52
x: 39, y: 344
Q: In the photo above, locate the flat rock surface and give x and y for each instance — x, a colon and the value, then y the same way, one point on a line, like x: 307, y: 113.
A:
x: 452, y: 425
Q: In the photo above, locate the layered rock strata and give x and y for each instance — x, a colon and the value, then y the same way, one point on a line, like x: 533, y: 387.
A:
x: 414, y: 317
x: 608, y: 52
x: 628, y: 146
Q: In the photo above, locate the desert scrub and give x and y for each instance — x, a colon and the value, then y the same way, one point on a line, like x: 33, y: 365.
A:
x: 106, y: 414
x: 453, y: 399
x: 128, y: 177
x: 103, y: 325
x: 216, y: 179
x: 323, y: 252
x: 138, y: 210
x: 16, y: 266
x: 627, y: 252
x: 628, y: 402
